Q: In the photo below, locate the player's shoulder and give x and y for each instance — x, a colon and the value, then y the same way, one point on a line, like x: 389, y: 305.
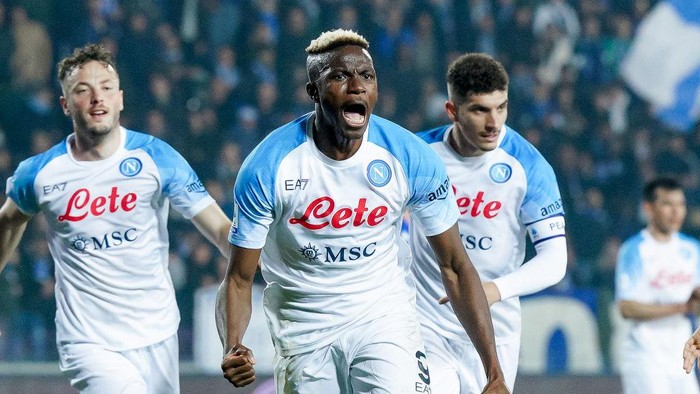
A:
x: 632, y: 243
x: 689, y: 239
x: 434, y: 135
x: 32, y: 165
x: 393, y: 137
x: 519, y: 147
x: 281, y: 141
x: 138, y: 140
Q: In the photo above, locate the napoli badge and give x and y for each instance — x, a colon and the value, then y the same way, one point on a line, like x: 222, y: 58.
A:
x: 378, y: 173
x: 500, y: 172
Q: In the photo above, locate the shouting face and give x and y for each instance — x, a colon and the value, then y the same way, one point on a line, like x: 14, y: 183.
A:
x: 345, y: 91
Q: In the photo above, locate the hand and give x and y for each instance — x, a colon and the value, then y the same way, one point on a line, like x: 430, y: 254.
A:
x: 696, y: 293
x: 493, y: 295
x: 238, y: 366
x: 496, y: 387
x: 691, y: 351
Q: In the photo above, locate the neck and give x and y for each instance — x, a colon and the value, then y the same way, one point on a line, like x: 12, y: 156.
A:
x: 87, y: 146
x: 460, y: 145
x: 661, y: 236
x: 332, y: 144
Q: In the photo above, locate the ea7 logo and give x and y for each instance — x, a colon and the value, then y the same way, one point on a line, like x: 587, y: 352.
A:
x: 59, y: 187
x: 295, y: 184
x: 441, y: 192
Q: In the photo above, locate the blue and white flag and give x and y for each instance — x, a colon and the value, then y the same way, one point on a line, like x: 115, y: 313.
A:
x: 663, y: 63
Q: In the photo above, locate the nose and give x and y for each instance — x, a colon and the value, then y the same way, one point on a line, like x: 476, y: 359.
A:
x: 356, y: 84
x: 490, y: 120
x: 97, y: 97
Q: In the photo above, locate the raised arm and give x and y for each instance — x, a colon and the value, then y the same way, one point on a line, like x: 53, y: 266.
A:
x: 12, y: 225
x: 233, y: 310
x: 463, y: 286
x: 214, y: 225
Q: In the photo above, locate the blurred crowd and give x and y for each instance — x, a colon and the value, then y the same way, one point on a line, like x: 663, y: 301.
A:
x: 213, y: 77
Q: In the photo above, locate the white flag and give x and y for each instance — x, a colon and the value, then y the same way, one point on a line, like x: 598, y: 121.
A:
x: 663, y: 64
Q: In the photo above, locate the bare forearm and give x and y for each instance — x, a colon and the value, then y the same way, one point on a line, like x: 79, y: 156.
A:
x: 643, y: 311
x: 214, y: 225
x: 233, y: 311
x: 12, y: 226
x: 471, y: 307
x: 8, y: 243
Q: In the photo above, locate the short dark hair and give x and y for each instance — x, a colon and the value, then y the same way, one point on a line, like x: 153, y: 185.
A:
x: 81, y: 56
x: 664, y: 183
x: 476, y: 73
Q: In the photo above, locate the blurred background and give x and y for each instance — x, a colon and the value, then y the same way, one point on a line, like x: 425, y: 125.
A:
x: 213, y: 77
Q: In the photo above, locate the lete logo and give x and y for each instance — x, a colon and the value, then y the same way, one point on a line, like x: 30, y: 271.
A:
x: 321, y: 212
x: 476, y: 205
x: 81, y: 204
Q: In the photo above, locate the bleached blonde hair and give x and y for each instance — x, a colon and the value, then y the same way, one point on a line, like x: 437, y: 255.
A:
x: 335, y: 38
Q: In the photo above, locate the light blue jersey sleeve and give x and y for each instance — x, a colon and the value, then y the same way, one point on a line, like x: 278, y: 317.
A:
x: 20, y: 187
x: 431, y: 199
x: 542, y: 198
x: 254, y: 191
x: 179, y: 182
x: 695, y: 244
x: 628, y: 273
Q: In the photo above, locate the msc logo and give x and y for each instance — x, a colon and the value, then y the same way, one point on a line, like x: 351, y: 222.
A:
x: 500, y: 172
x: 103, y: 241
x: 378, y: 173
x: 310, y: 252
x: 349, y: 253
x: 472, y: 242
x: 130, y: 166
x: 441, y: 192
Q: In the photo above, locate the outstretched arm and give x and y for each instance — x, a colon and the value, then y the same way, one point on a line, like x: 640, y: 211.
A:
x: 463, y: 286
x: 12, y: 225
x: 214, y: 225
x: 233, y: 310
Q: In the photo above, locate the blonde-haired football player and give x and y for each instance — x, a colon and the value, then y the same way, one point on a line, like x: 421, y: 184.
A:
x: 321, y: 202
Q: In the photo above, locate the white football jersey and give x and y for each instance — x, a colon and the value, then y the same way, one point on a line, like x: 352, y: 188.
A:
x: 654, y: 272
x: 330, y: 230
x: 107, y: 234
x: 501, y: 196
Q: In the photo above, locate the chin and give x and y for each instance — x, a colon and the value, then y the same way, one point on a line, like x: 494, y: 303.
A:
x: 355, y: 133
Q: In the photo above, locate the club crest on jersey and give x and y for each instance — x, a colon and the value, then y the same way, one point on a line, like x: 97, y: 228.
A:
x: 378, y: 173
x: 130, y: 166
x: 500, y: 172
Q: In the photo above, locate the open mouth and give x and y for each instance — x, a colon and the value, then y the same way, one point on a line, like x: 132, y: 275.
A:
x: 98, y: 113
x: 355, y: 114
